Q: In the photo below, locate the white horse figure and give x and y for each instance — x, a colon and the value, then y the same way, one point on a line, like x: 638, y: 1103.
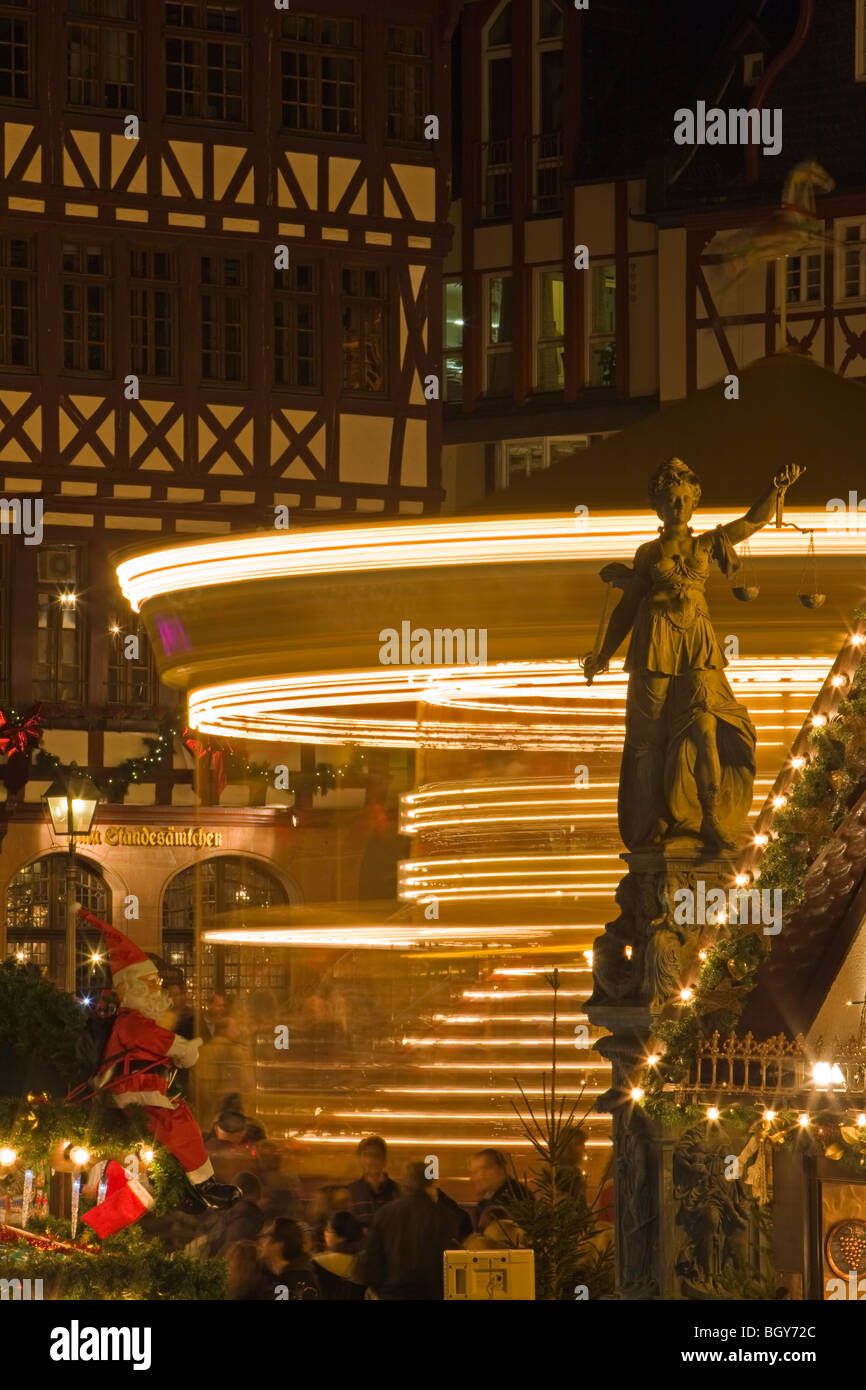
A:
x: 790, y: 229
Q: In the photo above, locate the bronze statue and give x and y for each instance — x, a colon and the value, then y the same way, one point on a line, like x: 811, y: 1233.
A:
x: 689, y: 757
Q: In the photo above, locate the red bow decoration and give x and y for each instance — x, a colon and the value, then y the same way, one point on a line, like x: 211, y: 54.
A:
x: 20, y: 737
x: 201, y: 750
x: 16, y: 741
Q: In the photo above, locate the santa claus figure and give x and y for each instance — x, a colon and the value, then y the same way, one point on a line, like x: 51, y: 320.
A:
x: 140, y: 1055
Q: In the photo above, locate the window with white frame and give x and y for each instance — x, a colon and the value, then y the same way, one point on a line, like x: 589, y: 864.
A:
x: 496, y: 150
x: 860, y: 42
x: 601, y: 340
x: 547, y: 102
x: 549, y: 329
x: 803, y: 278
x: 520, y: 458
x: 500, y: 334
x: 850, y: 239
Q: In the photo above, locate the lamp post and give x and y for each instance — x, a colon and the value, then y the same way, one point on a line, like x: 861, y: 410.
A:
x: 71, y: 802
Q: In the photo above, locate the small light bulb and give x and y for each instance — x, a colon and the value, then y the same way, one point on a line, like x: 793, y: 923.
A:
x: 712, y: 1113
x: 636, y: 1093
x: 7, y: 1156
x: 804, y: 1120
x: 79, y: 1155
x: 769, y: 1115
x: 652, y: 1060
x: 837, y: 681
x: 147, y: 1155
x: 760, y: 839
x: 687, y: 995
x: 741, y: 880
x: 798, y: 762
x: 857, y: 639
x: 861, y: 1121
x: 95, y: 957
x: 628, y: 952
x: 819, y: 720
x: 779, y: 802
x: 702, y: 955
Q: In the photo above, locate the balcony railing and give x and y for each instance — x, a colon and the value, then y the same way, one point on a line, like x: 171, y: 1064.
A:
x: 495, y: 178
x: 546, y: 165
x: 543, y: 155
x: 778, y: 1068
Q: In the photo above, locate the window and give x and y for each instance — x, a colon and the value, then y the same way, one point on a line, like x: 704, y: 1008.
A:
x: 220, y: 885
x: 297, y: 327
x: 102, y: 54
x: 17, y: 299
x: 58, y: 657
x: 85, y: 308
x: 36, y: 915
x: 753, y: 69
x: 550, y: 302
x: 860, y: 42
x: 520, y: 458
x: 407, y: 81
x: 499, y: 34
x: 804, y: 278
x: 223, y: 319
x: 15, y: 57
x: 601, y: 367
x: 320, y: 74
x: 500, y: 334
x: 548, y: 110
x: 131, y: 680
x: 153, y: 314
x: 364, y: 312
x: 496, y: 151
x: 550, y: 19
x: 205, y: 62
x: 852, y: 260
x: 453, y: 317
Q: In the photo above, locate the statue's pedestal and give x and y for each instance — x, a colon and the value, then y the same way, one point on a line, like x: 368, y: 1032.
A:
x: 641, y: 964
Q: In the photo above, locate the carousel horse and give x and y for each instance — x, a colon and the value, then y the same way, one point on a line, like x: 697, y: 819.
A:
x: 790, y: 229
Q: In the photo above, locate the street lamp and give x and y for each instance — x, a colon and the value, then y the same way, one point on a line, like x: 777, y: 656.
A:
x: 71, y: 801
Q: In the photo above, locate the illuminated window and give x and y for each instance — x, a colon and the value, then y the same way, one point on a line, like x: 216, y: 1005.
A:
x: 320, y: 74
x: 453, y: 336
x: 16, y: 63
x: 500, y: 335
x: 223, y: 301
x: 36, y: 916
x: 803, y: 278
x: 297, y: 327
x: 58, y: 657
x: 85, y: 300
x: 102, y: 54
x: 153, y: 310
x: 550, y: 330
x: 851, y: 260
x: 132, y: 680
x: 205, y: 62
x: 601, y: 367
x: 520, y: 458
x: 364, y: 314
x: 407, y: 81
x: 17, y: 304
x: 200, y: 894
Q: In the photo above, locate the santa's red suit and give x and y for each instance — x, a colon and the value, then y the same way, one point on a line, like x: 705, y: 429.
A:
x: 140, y: 1056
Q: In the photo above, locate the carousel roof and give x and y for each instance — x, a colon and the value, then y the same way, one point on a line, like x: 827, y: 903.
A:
x: 790, y: 410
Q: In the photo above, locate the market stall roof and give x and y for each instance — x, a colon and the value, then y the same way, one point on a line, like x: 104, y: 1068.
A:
x: 790, y: 410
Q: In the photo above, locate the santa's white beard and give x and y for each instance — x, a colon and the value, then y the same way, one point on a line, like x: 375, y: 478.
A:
x: 137, y: 996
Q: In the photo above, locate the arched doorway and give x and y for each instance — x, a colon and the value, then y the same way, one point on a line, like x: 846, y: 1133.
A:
x: 221, y: 884
x: 36, y: 915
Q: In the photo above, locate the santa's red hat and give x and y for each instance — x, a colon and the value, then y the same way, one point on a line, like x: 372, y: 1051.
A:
x: 128, y: 961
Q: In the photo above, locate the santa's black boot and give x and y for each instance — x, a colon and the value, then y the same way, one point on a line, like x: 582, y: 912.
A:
x: 217, y: 1195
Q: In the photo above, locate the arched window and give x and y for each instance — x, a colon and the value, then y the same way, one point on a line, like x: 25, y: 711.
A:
x: 221, y: 885
x: 36, y: 914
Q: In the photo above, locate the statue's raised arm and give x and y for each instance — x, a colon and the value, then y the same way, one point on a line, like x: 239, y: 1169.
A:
x: 768, y: 505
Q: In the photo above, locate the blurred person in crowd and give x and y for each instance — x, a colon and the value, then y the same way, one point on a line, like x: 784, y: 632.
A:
x: 223, y: 1061
x: 215, y: 1009
x: 243, y: 1270
x: 462, y: 1219
x: 327, y: 1199
x: 495, y: 1232
x: 402, y: 1257
x: 493, y: 1187
x: 374, y: 1189
x: 232, y: 1101
x: 184, y: 1016
x: 241, y: 1221
x: 285, y: 1270
x: 337, y: 1266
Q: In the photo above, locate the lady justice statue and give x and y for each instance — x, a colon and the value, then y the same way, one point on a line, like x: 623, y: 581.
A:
x: 689, y: 758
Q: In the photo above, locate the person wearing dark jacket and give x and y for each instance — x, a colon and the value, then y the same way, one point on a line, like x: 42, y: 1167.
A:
x: 287, y: 1272
x: 243, y: 1220
x: 462, y: 1219
x: 493, y: 1186
x: 405, y: 1244
x: 374, y: 1189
